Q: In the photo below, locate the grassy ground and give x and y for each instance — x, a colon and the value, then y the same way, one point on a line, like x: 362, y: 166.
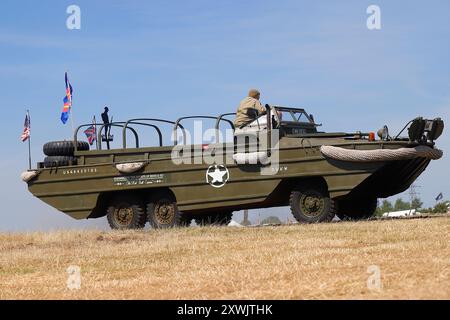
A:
x: 287, y: 262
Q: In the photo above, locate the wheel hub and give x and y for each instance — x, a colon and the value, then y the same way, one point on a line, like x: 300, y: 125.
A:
x: 312, y: 205
x: 165, y: 213
x: 124, y: 216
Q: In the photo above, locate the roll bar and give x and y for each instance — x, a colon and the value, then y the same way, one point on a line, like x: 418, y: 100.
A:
x: 99, y: 134
x: 114, y: 124
x: 218, y: 119
x: 133, y: 121
x: 125, y: 125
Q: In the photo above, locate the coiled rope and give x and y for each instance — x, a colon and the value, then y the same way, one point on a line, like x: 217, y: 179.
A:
x: 380, y: 154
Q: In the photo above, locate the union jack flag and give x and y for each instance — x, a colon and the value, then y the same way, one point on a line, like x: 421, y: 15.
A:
x: 26, y: 129
x: 91, y: 132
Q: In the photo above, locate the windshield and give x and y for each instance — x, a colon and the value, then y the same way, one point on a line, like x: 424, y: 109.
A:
x: 293, y: 115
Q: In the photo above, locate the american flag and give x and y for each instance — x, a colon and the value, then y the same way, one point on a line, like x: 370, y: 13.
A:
x: 26, y: 129
x: 91, y: 132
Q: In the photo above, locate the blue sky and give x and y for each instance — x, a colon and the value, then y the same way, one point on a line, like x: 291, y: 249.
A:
x: 175, y: 58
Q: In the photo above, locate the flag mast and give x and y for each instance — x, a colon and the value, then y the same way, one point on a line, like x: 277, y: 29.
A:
x: 95, y: 132
x: 71, y: 117
x: 71, y: 113
x: 29, y: 140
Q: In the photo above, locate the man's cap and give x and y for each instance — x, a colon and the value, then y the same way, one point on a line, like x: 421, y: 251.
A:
x: 254, y: 93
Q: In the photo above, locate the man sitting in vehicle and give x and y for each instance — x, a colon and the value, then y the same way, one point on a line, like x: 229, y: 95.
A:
x: 249, y: 109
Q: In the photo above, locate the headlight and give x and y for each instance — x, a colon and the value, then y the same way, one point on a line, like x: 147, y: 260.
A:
x: 383, y: 133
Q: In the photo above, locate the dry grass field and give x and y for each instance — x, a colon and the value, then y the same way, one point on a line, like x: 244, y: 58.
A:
x: 326, y: 261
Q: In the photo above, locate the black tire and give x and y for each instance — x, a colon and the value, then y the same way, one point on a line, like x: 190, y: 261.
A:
x: 214, y: 218
x: 126, y: 213
x: 162, y: 212
x: 59, y: 161
x: 311, y: 203
x: 64, y: 148
x: 357, y: 209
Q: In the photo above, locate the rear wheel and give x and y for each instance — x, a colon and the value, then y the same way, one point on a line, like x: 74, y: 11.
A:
x: 163, y: 212
x: 126, y: 213
x: 214, y: 218
x: 311, y: 203
x: 357, y: 209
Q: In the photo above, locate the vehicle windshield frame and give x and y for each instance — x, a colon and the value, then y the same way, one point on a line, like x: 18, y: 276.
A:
x: 292, y: 112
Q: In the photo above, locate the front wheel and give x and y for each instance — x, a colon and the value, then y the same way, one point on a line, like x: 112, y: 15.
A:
x: 311, y: 204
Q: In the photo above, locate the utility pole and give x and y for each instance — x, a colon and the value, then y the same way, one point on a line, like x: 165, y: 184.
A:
x: 413, y: 193
x: 246, y: 222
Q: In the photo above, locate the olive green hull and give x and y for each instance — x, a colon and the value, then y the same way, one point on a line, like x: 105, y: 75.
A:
x: 82, y: 191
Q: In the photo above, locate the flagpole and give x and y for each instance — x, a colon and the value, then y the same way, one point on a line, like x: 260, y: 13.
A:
x: 71, y: 114
x: 70, y: 106
x: 29, y: 140
x: 95, y: 132
x: 71, y: 120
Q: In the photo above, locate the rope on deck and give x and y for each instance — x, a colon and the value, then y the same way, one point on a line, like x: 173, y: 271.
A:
x: 380, y: 154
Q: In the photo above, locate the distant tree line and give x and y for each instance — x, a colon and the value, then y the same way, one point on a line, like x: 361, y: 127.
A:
x: 399, y: 205
x: 268, y: 220
x: 271, y: 220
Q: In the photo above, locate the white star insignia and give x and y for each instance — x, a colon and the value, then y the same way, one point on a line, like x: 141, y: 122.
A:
x: 217, y: 175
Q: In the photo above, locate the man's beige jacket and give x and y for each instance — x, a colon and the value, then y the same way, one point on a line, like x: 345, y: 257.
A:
x: 242, y: 117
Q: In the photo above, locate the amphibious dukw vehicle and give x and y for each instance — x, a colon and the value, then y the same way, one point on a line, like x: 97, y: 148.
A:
x: 281, y: 159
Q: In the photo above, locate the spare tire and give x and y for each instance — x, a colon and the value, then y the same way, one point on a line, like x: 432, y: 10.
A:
x: 59, y: 161
x: 64, y: 148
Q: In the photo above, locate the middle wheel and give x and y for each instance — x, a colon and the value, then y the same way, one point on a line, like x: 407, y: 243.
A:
x: 162, y: 212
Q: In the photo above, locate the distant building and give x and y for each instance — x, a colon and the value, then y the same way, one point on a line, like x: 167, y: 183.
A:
x: 402, y: 213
